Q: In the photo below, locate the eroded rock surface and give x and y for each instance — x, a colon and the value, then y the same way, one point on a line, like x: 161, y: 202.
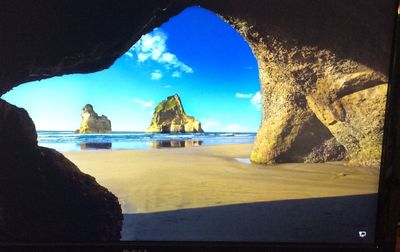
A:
x: 43, y: 195
x: 330, y: 150
x: 169, y: 116
x: 307, y: 74
x: 92, y: 122
x: 326, y: 60
x: 347, y: 98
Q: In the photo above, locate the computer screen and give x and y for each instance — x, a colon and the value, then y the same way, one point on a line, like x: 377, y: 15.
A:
x: 194, y: 121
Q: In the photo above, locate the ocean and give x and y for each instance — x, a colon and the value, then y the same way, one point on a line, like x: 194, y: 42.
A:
x: 64, y: 141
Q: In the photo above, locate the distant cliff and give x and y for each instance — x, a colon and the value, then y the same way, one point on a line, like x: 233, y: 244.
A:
x: 92, y: 123
x: 169, y: 116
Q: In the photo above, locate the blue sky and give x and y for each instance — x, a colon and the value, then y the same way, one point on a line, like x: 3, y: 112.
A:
x: 194, y: 54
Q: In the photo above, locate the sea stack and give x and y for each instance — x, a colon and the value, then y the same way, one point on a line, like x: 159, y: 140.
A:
x: 92, y: 123
x: 170, y: 117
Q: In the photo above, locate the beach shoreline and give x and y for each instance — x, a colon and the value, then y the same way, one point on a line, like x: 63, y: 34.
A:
x: 167, y: 179
x: 68, y: 141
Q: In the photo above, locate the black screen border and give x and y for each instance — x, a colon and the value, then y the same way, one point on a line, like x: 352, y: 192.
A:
x: 388, y: 196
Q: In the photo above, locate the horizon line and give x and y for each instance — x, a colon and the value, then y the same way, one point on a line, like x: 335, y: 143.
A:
x: 137, y: 131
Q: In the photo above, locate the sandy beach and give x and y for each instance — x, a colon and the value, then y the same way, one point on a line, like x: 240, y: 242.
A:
x: 204, y: 193
x: 167, y: 179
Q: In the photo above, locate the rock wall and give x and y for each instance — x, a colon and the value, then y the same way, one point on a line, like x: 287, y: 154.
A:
x: 46, y: 38
x: 308, y: 82
x: 92, y: 122
x: 324, y: 61
x: 169, y: 116
x: 323, y: 66
x: 316, y: 60
x: 44, y: 196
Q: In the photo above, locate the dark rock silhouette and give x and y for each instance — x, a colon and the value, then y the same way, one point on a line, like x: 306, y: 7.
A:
x: 321, y: 59
x: 324, y: 59
x: 43, y: 195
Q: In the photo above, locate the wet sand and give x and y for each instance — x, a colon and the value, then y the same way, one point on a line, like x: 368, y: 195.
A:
x: 156, y: 180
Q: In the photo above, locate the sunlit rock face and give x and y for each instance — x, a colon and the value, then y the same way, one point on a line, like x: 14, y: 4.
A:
x: 92, y: 122
x: 329, y: 150
x: 326, y: 60
x: 43, y: 195
x: 347, y: 98
x: 323, y: 70
x: 169, y: 117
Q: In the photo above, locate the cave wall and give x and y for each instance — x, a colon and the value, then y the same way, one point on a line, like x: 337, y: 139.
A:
x: 44, y: 196
x: 324, y: 59
x: 323, y: 67
x: 43, y: 39
x: 314, y: 58
x: 307, y: 82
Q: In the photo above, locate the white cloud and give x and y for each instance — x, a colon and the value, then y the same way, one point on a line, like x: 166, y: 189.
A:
x: 234, y: 127
x: 142, y: 57
x: 256, y: 100
x: 153, y: 46
x: 210, y: 124
x: 156, y: 75
x: 185, y: 68
x: 167, y: 86
x: 245, y: 96
x: 129, y: 54
x: 172, y: 61
x: 176, y: 74
x: 145, y: 104
x: 167, y: 58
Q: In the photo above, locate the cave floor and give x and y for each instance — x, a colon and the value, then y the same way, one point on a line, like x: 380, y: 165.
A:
x: 192, y: 189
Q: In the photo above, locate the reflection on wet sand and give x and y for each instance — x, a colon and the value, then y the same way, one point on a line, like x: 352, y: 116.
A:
x: 174, y: 143
x: 86, y: 146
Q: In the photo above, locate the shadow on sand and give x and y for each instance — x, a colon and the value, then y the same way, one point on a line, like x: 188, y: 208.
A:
x: 333, y: 219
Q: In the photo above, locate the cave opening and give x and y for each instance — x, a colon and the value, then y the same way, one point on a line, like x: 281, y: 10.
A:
x: 195, y: 55
x: 191, y: 82
x: 309, y: 90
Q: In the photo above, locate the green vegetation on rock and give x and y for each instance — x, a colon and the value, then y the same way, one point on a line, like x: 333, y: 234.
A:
x: 169, y: 116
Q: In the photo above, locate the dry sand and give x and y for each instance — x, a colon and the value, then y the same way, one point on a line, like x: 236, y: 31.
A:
x: 157, y: 180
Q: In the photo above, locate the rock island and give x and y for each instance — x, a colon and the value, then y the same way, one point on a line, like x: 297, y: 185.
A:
x: 169, y: 117
x: 92, y: 122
